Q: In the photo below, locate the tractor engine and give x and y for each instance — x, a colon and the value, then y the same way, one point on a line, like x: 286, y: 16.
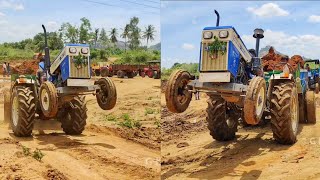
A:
x: 223, y: 56
x: 72, y: 66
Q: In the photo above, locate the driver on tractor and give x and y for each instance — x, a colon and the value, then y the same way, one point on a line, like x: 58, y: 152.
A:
x: 40, y: 68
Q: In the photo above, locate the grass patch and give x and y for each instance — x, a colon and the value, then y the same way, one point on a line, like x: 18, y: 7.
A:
x: 38, y: 155
x: 150, y: 111
x: 129, y: 122
x: 26, y: 150
x: 157, y: 123
x: 111, y: 118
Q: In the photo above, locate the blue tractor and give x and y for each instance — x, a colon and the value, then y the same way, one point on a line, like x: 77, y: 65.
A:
x: 233, y: 78
x: 313, y: 68
x: 57, y: 92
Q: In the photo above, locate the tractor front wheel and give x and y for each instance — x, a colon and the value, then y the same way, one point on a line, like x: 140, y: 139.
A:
x: 177, y: 95
x: 284, y: 107
x: 311, y: 107
x: 74, y: 116
x: 48, y: 99
x: 222, y: 120
x: 255, y: 101
x: 107, y: 94
x: 22, y: 111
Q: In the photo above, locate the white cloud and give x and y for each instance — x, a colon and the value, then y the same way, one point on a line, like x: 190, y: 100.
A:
x: 306, y: 45
x: 11, y: 4
x: 268, y: 10
x: 187, y: 46
x: 314, y: 19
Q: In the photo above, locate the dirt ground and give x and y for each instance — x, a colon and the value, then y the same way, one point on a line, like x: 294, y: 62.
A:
x: 189, y: 152
x: 106, y: 150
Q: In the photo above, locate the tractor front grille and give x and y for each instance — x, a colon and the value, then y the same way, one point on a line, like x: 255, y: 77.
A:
x: 217, y: 64
x: 79, y: 72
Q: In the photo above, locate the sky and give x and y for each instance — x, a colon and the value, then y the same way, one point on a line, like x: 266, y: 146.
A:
x: 292, y: 27
x: 21, y: 19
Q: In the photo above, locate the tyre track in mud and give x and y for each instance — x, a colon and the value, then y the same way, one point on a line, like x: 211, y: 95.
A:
x: 91, y: 155
x: 193, y: 154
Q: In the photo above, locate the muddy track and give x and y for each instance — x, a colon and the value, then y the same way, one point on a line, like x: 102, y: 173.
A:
x: 254, y: 154
x: 105, y: 150
x: 91, y: 155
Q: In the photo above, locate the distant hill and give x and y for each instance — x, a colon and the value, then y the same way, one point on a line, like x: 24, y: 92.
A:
x: 156, y: 47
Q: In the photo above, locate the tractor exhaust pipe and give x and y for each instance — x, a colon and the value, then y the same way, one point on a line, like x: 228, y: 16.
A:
x: 218, y: 17
x: 258, y: 34
x: 46, y: 50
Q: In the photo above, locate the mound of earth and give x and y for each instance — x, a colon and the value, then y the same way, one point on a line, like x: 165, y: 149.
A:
x: 271, y: 61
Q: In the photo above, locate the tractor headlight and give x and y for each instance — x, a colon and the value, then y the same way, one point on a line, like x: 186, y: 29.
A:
x: 223, y: 34
x: 73, y: 50
x: 207, y: 35
x: 84, y: 51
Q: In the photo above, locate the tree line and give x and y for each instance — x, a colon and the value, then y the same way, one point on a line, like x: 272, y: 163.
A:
x: 85, y: 33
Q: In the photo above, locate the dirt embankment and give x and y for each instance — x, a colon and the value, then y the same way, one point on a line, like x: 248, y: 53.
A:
x: 271, y: 61
x: 107, y: 149
x: 189, y: 152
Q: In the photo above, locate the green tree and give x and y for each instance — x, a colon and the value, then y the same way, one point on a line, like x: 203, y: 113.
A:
x: 135, y: 33
x: 103, y: 38
x: 113, y: 35
x: 69, y: 33
x: 85, y: 27
x: 125, y: 35
x: 149, y: 33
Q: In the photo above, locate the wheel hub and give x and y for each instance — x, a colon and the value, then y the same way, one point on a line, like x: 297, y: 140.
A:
x: 260, y: 100
x: 15, y: 111
x: 45, y: 99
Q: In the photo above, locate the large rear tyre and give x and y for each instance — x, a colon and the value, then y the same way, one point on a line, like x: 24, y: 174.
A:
x: 311, y: 107
x: 222, y: 120
x: 316, y: 90
x: 6, y: 105
x: 22, y: 111
x: 97, y: 72
x: 255, y: 101
x: 73, y: 119
x: 150, y: 74
x: 107, y: 95
x: 48, y: 99
x: 284, y: 112
x: 130, y: 74
x: 104, y: 72
x: 302, y: 109
x: 177, y: 95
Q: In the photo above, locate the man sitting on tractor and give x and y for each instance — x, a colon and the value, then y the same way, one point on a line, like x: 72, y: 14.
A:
x: 41, y: 67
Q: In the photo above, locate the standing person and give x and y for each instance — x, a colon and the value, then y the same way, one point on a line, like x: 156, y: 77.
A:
x: 4, y: 68
x: 8, y: 70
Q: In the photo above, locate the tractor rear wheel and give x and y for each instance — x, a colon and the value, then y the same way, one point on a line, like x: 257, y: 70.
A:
x: 150, y: 74
x: 130, y: 74
x: 73, y: 119
x: 107, y: 95
x: 97, y: 72
x: 316, y: 90
x: 222, y: 120
x: 311, y: 107
x: 48, y: 99
x: 255, y: 101
x: 156, y: 75
x: 302, y: 109
x: 284, y: 112
x: 177, y: 95
x: 104, y: 72
x: 7, y: 105
x: 23, y: 111
x: 142, y: 74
